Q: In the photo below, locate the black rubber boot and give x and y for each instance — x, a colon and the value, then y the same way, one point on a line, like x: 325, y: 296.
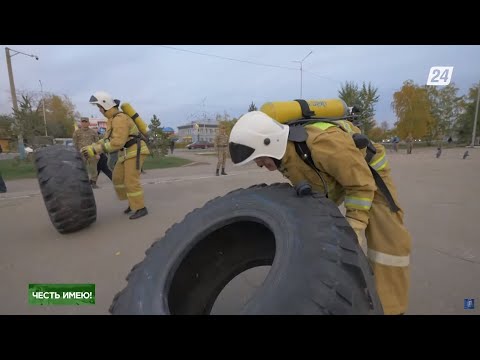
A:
x: 217, y: 173
x: 127, y: 210
x: 223, y: 171
x: 139, y: 213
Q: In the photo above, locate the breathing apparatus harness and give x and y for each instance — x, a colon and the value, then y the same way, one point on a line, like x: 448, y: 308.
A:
x: 134, y: 139
x: 298, y: 135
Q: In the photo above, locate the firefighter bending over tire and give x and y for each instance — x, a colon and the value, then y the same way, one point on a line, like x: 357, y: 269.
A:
x: 122, y: 135
x: 357, y: 176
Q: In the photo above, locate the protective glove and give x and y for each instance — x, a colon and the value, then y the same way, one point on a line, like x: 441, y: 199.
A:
x: 91, y: 151
x: 88, y: 151
x: 359, y: 228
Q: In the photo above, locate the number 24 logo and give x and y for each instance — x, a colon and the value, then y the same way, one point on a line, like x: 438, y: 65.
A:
x: 440, y: 75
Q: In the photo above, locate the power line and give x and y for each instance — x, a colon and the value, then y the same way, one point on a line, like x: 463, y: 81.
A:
x: 321, y: 76
x: 228, y: 58
x: 250, y: 62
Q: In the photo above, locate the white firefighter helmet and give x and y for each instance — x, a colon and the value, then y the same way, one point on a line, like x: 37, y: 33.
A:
x: 255, y: 135
x: 104, y: 100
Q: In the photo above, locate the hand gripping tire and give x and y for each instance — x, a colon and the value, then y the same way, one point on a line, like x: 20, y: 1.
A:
x: 65, y: 187
x: 317, y: 265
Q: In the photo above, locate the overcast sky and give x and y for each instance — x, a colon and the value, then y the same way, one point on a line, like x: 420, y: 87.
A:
x: 177, y: 85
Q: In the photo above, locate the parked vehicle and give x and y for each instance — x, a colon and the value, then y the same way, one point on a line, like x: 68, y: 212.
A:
x: 200, y: 145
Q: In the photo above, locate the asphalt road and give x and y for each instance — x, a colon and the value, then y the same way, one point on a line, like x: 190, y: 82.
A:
x: 440, y: 198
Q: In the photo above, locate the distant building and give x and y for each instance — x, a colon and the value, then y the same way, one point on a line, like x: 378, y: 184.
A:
x: 96, y: 123
x: 206, y: 132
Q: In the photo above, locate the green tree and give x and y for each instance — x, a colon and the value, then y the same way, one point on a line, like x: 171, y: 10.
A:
x: 464, y: 126
x: 365, y: 98
x: 252, y: 107
x: 6, y: 123
x: 414, y: 111
x: 350, y: 93
x: 29, y: 121
x: 159, y: 141
x: 368, y: 99
x: 446, y: 107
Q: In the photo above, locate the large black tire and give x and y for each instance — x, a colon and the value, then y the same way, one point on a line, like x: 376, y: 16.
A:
x: 65, y: 187
x: 317, y: 267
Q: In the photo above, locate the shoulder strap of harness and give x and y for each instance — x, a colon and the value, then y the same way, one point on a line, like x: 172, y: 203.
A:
x: 305, y: 154
x: 384, y: 189
x: 306, y: 112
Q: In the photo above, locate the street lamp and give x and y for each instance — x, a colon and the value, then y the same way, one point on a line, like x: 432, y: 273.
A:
x: 43, y: 101
x: 301, y: 71
x: 21, y: 146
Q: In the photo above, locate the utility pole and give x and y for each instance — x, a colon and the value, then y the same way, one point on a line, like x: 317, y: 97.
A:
x: 21, y: 145
x: 43, y: 101
x: 301, y: 72
x: 476, y: 116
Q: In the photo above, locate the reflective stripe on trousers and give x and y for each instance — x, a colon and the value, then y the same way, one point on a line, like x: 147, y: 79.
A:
x: 387, y: 259
x: 133, y: 194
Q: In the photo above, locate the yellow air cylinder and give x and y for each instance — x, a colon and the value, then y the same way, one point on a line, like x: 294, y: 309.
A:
x: 285, y: 111
x: 130, y: 111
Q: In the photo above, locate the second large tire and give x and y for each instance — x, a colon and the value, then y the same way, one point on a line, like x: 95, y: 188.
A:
x: 317, y: 265
x: 65, y: 187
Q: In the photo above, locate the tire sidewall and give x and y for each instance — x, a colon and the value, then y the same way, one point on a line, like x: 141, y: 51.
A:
x: 172, y: 250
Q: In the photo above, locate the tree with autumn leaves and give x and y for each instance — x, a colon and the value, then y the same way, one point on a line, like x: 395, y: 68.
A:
x: 60, y: 117
x: 414, y: 111
x: 427, y: 112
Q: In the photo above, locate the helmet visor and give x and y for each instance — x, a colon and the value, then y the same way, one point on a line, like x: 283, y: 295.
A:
x: 239, y: 152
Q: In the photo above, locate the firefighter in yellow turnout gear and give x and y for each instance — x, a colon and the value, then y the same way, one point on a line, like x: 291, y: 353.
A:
x: 122, y: 135
x: 344, y: 174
